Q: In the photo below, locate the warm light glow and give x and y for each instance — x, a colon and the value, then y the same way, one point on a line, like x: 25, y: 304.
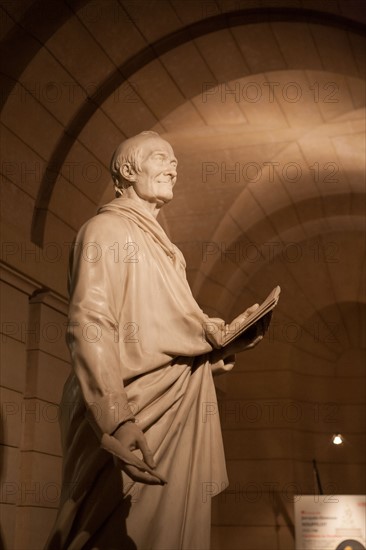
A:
x: 337, y: 439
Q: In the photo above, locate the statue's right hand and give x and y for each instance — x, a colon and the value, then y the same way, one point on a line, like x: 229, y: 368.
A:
x: 124, y: 441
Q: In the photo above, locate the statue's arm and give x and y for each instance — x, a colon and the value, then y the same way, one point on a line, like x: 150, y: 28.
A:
x: 93, y: 330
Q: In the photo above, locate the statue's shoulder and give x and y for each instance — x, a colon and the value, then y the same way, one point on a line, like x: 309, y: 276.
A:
x: 103, y: 226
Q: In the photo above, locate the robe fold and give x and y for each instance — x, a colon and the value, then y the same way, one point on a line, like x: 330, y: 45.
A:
x: 139, y: 350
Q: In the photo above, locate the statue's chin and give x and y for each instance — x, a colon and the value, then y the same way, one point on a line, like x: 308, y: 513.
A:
x: 160, y: 201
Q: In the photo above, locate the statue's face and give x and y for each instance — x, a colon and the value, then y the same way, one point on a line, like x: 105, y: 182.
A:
x: 158, y: 173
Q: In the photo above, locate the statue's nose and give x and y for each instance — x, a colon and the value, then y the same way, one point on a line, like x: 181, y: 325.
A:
x: 172, y: 170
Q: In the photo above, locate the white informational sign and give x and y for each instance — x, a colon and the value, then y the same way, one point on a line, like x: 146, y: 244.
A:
x: 330, y: 522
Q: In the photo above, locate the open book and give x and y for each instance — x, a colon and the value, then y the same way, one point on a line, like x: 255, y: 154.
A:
x: 223, y: 335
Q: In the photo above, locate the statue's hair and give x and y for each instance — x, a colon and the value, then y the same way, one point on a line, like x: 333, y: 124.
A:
x: 129, y: 151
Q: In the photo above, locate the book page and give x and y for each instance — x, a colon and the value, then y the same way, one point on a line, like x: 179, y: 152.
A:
x: 241, y: 323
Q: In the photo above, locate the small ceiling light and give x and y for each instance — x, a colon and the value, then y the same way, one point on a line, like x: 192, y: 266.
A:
x: 337, y: 439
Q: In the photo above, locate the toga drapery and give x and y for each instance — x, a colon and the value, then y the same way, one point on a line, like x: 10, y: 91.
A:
x: 138, y: 348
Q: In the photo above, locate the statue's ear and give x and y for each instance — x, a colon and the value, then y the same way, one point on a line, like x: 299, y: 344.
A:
x: 127, y: 172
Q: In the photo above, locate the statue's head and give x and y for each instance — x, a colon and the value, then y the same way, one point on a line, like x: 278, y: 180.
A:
x: 146, y: 163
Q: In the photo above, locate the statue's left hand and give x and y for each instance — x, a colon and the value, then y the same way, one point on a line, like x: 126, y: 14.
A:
x: 122, y: 443
x: 250, y: 338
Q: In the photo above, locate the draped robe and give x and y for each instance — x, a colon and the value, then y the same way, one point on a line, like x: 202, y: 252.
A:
x: 139, y: 349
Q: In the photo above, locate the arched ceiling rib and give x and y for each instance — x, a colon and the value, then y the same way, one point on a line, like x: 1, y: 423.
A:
x: 30, y: 26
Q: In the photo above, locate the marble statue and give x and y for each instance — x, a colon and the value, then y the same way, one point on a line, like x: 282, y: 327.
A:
x: 140, y: 450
